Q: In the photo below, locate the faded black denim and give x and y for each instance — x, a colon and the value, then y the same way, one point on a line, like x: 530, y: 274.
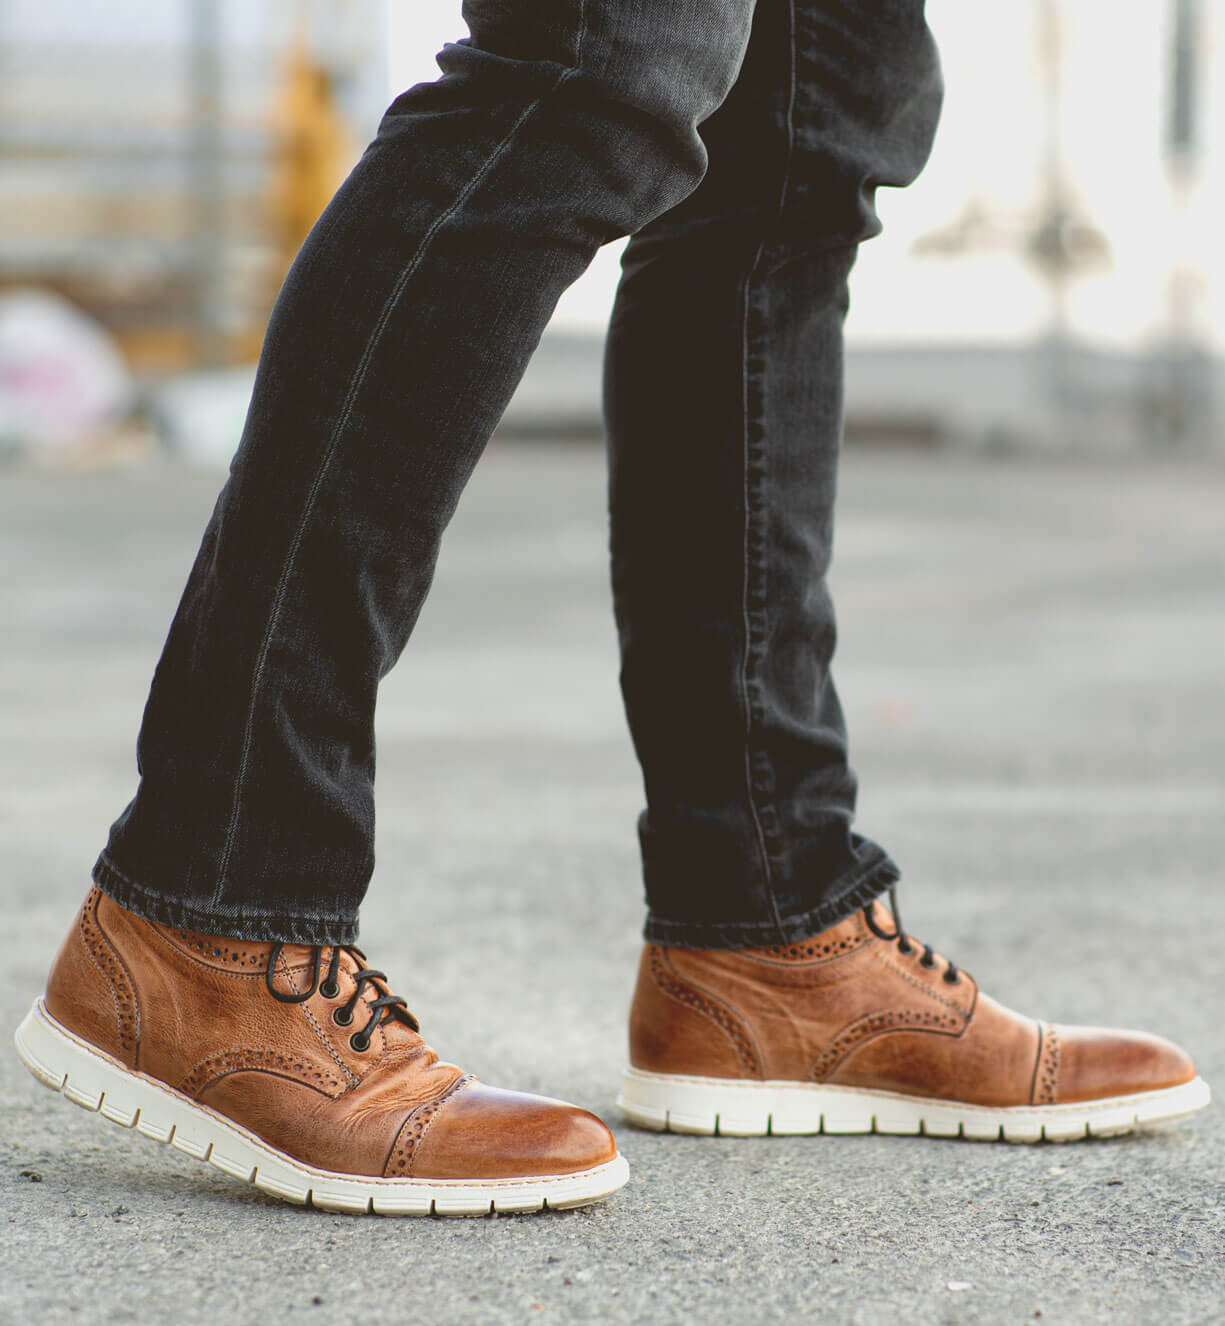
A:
x: 742, y: 151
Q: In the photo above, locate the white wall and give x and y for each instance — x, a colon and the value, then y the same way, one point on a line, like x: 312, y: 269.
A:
x: 988, y: 148
x: 417, y: 31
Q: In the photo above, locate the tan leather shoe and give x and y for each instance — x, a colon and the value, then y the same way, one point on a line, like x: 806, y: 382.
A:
x: 864, y: 1029
x: 295, y: 1069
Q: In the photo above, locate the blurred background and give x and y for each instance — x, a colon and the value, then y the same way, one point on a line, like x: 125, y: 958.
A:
x: 1029, y: 574
x: 1053, y: 280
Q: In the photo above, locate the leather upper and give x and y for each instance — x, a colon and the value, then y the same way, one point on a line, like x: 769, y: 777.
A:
x: 194, y: 1012
x: 850, y: 1008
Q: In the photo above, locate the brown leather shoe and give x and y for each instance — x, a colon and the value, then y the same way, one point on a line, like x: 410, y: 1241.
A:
x: 864, y: 1029
x: 295, y: 1069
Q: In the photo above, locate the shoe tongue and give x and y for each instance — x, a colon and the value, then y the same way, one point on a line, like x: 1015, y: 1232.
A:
x: 396, y: 1033
x: 296, y: 955
x: 295, y: 968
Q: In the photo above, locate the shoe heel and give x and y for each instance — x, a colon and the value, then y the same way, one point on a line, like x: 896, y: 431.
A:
x: 702, y: 1106
x: 84, y: 1076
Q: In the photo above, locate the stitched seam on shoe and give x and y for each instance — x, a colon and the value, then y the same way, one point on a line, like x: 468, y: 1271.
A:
x: 129, y: 979
x: 920, y: 985
x: 324, y: 1038
x: 354, y: 1080
x: 404, y: 1149
x: 1033, y: 1077
x: 164, y: 939
x: 235, y: 945
x: 699, y: 1001
x: 790, y: 956
x: 371, y: 1065
x: 1046, y: 1069
x: 333, y: 446
x: 882, y: 1023
x: 106, y: 981
x: 96, y: 941
x: 273, y: 1063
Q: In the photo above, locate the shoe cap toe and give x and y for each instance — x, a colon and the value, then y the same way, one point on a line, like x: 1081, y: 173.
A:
x: 488, y: 1133
x: 1100, y: 1062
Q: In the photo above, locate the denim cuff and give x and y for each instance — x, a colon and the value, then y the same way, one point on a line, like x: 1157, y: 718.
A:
x: 253, y: 926
x: 846, y: 898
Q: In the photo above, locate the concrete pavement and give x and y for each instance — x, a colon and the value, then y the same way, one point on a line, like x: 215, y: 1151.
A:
x: 1032, y: 659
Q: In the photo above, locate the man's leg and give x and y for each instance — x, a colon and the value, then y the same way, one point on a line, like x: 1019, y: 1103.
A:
x: 208, y: 993
x: 775, y: 993
x: 723, y: 398
x: 400, y: 333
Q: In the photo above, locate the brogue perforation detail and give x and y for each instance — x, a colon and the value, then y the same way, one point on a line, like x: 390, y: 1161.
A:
x: 708, y: 1007
x: 1048, y: 1067
x: 400, y: 1162
x: 876, y: 1024
x: 276, y: 1062
x: 115, y: 974
x: 814, y: 948
x: 211, y: 947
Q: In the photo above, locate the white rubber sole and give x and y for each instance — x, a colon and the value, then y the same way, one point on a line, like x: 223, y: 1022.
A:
x: 723, y: 1107
x: 95, y: 1081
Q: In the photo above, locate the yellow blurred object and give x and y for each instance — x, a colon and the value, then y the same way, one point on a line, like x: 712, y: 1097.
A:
x: 314, y: 148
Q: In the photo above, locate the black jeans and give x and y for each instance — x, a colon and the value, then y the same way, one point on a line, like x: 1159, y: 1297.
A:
x: 741, y: 146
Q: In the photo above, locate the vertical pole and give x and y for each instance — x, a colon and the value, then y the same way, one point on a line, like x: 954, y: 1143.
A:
x: 207, y: 184
x: 1056, y: 350
x: 1186, y: 407
x: 1181, y: 133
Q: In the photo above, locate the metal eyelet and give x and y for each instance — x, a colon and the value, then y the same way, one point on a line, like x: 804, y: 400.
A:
x: 341, y: 1018
x: 329, y: 989
x: 359, y: 1042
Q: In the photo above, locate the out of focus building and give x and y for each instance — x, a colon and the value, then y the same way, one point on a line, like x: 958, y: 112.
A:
x: 160, y: 162
x: 1055, y: 276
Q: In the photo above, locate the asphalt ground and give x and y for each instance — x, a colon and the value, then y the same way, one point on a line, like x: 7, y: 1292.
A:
x: 1032, y: 660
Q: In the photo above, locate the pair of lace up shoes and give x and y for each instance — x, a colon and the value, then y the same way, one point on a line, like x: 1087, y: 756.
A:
x: 296, y: 1069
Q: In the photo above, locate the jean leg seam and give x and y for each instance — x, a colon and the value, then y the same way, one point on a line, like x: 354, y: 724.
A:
x: 745, y: 304
x: 334, y: 443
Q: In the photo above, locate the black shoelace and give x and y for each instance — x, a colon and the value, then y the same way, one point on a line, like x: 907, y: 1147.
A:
x: 951, y: 975
x: 385, y: 1008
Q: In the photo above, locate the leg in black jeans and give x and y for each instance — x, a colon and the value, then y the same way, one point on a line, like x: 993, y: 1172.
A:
x: 723, y: 397
x: 399, y: 335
